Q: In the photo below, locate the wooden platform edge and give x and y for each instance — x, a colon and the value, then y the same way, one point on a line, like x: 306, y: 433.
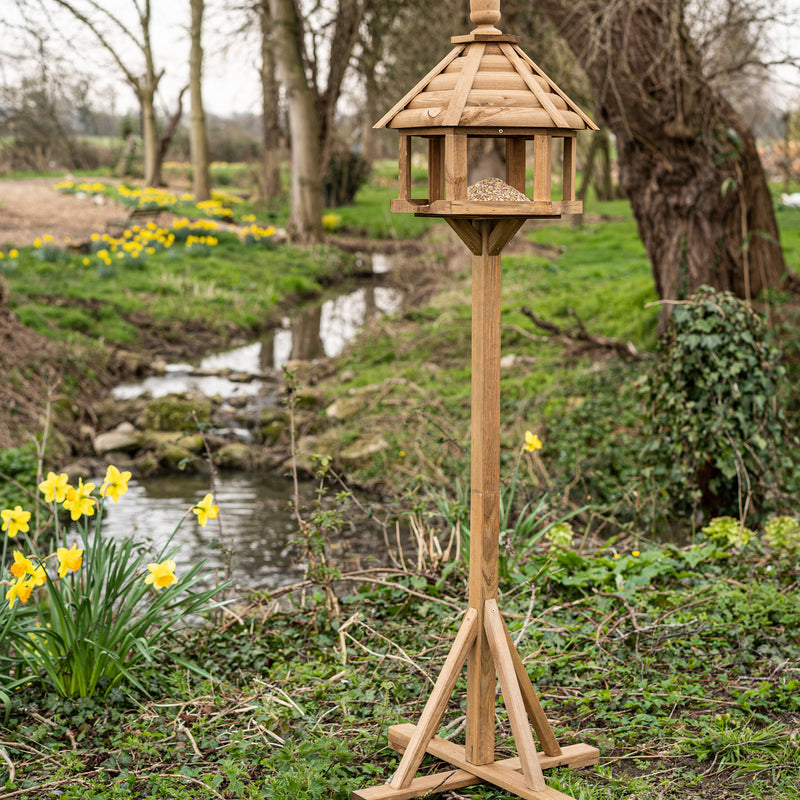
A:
x: 572, y: 755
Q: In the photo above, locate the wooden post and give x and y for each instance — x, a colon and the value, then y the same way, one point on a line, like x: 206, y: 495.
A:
x: 435, y: 168
x: 485, y: 494
x: 569, y: 167
x: 515, y: 162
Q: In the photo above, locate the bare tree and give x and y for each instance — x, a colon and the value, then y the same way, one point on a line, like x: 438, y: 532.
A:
x: 312, y: 54
x: 687, y: 161
x: 270, y: 184
x: 111, y: 33
x: 198, y: 139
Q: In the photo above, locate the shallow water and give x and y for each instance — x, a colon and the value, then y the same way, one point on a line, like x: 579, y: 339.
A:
x: 255, y: 523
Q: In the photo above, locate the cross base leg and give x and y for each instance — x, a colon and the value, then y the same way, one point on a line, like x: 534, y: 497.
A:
x: 506, y: 773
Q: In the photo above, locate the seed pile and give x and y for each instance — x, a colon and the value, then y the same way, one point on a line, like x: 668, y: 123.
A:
x: 494, y: 189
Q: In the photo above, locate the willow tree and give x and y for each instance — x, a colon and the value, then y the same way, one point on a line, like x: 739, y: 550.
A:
x: 687, y: 161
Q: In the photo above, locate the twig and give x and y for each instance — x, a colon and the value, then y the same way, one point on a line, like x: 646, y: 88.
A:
x: 11, y: 771
x: 188, y: 734
x: 580, y: 334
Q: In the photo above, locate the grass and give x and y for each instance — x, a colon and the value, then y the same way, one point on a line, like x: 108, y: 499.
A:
x: 685, y: 676
x: 233, y: 285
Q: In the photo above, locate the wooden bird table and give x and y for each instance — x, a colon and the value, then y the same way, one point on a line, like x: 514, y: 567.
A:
x: 486, y: 87
x: 483, y: 640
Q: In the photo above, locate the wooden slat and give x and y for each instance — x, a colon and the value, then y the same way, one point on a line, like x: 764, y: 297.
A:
x: 572, y: 105
x: 524, y: 70
x: 423, y: 785
x: 385, y: 119
x: 425, y: 119
x: 458, y: 99
x: 503, y: 97
x: 572, y: 755
x: 437, y: 702
x: 515, y: 163
x: 436, y: 189
x: 542, y: 169
x: 478, y: 209
x: 412, y: 206
x: 569, y: 168
x: 404, y: 167
x: 485, y: 81
x: 455, y: 166
x: 534, y: 708
x: 512, y: 697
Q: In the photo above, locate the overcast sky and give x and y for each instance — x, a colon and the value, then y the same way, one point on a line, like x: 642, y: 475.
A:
x: 230, y: 83
x: 230, y: 70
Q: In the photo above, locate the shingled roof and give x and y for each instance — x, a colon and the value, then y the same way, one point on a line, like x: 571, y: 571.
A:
x: 490, y: 82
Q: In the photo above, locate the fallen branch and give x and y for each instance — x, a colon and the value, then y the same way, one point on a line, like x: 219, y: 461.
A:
x: 580, y: 334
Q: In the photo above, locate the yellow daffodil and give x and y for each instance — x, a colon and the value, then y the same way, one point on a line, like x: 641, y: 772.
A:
x: 206, y: 510
x: 38, y: 576
x: 69, y: 560
x: 21, y: 566
x: 532, y: 442
x: 15, y: 520
x: 79, y: 501
x: 21, y: 589
x: 115, y: 484
x: 12, y: 253
x: 54, y: 488
x: 161, y: 575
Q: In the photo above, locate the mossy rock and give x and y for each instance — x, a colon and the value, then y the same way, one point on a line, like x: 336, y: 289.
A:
x: 272, y: 422
x: 239, y: 456
x: 176, y: 412
x: 175, y: 450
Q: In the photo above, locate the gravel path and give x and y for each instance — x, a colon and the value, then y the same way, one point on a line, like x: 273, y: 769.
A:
x: 31, y: 208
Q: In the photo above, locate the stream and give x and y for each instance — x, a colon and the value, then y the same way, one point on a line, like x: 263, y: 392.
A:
x: 256, y: 523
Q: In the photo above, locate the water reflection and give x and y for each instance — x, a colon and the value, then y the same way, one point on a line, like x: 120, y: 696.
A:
x: 255, y: 522
x: 325, y: 329
x: 319, y: 330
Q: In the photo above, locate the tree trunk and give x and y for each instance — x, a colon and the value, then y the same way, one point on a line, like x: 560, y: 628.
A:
x: 305, y: 213
x: 149, y: 137
x: 270, y: 184
x: 198, y: 141
x: 688, y: 163
x: 166, y: 138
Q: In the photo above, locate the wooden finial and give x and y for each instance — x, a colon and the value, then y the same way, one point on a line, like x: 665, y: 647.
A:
x: 485, y: 14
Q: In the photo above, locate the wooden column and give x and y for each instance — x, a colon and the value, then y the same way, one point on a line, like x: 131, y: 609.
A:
x: 455, y: 161
x: 485, y: 494
x: 404, y: 168
x: 569, y: 167
x: 435, y: 168
x: 515, y: 163
x: 542, y: 167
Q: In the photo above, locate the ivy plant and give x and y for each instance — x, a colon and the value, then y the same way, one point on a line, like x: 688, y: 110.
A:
x: 714, y: 421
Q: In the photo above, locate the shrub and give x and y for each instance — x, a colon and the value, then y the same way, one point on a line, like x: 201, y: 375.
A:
x: 346, y: 173
x: 714, y: 421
